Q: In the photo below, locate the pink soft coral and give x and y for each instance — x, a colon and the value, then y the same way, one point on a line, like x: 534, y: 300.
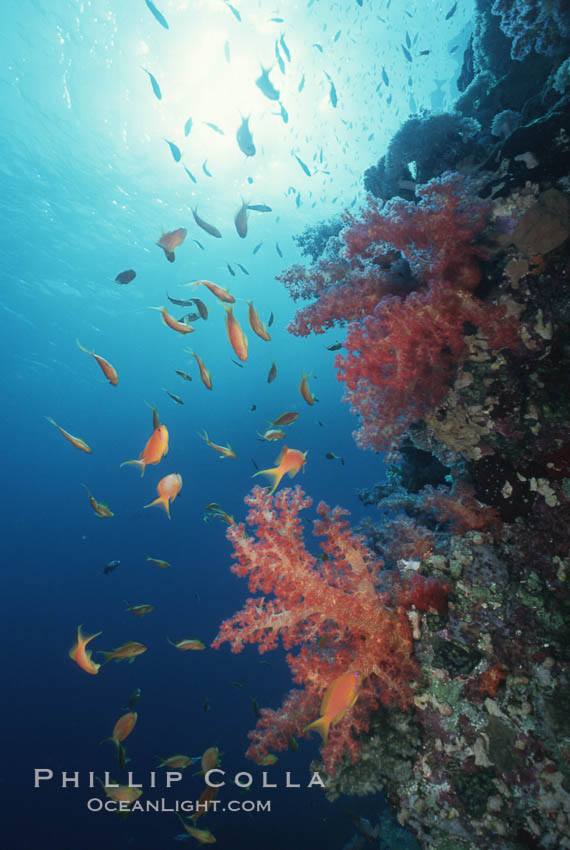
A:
x: 333, y: 608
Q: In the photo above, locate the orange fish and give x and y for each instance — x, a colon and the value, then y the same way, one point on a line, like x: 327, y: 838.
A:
x: 272, y: 434
x: 340, y: 696
x: 266, y: 760
x: 121, y: 793
x: 185, y: 644
x: 175, y: 762
x: 158, y: 561
x: 171, y: 322
x: 305, y: 391
x: 204, y: 803
x: 289, y: 462
x: 168, y: 488
x: 210, y: 759
x: 204, y: 374
x: 216, y: 290
x: 75, y: 441
x: 286, y: 418
x: 202, y: 836
x: 155, y: 449
x: 139, y: 610
x: 256, y: 324
x: 236, y: 336
x: 109, y: 371
x: 100, y: 508
x: 81, y: 656
x: 129, y: 650
x: 123, y: 728
x: 224, y: 451
x: 170, y: 241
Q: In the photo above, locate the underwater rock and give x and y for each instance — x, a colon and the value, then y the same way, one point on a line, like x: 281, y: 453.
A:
x: 545, y: 225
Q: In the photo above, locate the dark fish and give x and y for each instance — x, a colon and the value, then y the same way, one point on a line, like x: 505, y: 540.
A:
x: 175, y: 398
x: 265, y: 85
x: 277, y: 20
x: 188, y: 127
x: 336, y: 346
x: 214, y: 127
x: 244, y: 138
x: 279, y: 58
x: 255, y: 704
x: 318, y: 46
x: 453, y: 49
x: 184, y: 375
x: 202, y: 309
x: 154, y: 84
x: 424, y: 52
x: 254, y: 464
x: 332, y: 94
x: 359, y: 2
x: 293, y: 743
x: 199, y: 244
x: 209, y: 228
x: 126, y: 277
x: 259, y: 207
x: 257, y: 247
x: 237, y: 684
x: 237, y: 364
x: 174, y: 150
x: 158, y: 15
x: 206, y: 705
x: 190, y: 175
x: 332, y: 456
x: 283, y: 113
x: 205, y: 170
x: 227, y: 52
x: 278, y: 249
x: 284, y: 48
x: 451, y: 12
x: 298, y: 200
x: 385, y: 77
x: 155, y: 416
x: 243, y: 268
x: 270, y: 322
x: 406, y: 53
x: 303, y: 166
x: 231, y: 271
x: 337, y: 36
x: 179, y: 301
x: 408, y: 40
x: 112, y: 565
x: 234, y: 12
x: 134, y: 698
x: 272, y: 373
x: 189, y: 317
x: 301, y: 84
x: 320, y: 423
x: 253, y: 408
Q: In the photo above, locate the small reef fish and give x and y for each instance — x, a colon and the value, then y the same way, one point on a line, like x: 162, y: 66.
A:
x: 155, y: 449
x: 303, y: 166
x: 208, y: 228
x: 285, y: 419
x: 256, y: 324
x: 332, y: 93
x: 174, y: 150
x: 190, y: 175
x: 271, y: 318
x: 234, y: 11
x: 240, y: 220
x: 272, y: 374
x: 179, y: 301
x: 266, y: 760
x: 218, y: 513
x: 205, y: 169
x: 231, y: 271
x: 170, y: 241
x: 99, y: 508
x: 188, y: 127
x: 318, y: 46
x: 157, y: 14
x: 187, y: 644
x: 236, y: 336
x: 255, y: 707
x: 202, y: 309
x: 224, y: 451
x: 265, y: 85
x: 278, y: 249
x: 168, y: 489
x: 128, y: 650
x: 81, y: 656
x: 301, y: 84
x: 172, y: 323
x: 341, y: 695
x: 138, y: 610
x: 244, y: 138
x: 214, y: 127
x: 177, y: 762
x: 121, y: 793
x: 243, y: 268
x: 272, y: 434
x: 332, y: 456
x: 279, y: 58
x: 77, y: 442
x: 305, y: 391
x: 155, y: 416
x: 123, y: 728
x: 202, y: 836
x: 184, y: 375
x: 261, y: 208
x: 451, y: 12
x: 257, y: 247
x: 175, y: 398
x: 289, y: 462
x: 284, y: 48
x: 336, y: 346
x: 209, y: 760
x: 126, y: 276
x: 109, y: 371
x: 199, y: 244
x: 134, y: 698
x: 293, y: 744
x: 154, y: 84
x: 283, y: 113
x: 204, y: 373
x: 237, y: 364
x: 111, y: 567
x: 158, y: 561
x: 205, y: 802
x: 385, y: 77
x: 216, y: 290
x: 406, y: 53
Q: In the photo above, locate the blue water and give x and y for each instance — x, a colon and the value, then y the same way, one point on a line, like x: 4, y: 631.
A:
x: 87, y: 183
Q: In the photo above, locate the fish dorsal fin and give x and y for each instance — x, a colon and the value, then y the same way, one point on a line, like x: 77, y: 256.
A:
x: 281, y: 455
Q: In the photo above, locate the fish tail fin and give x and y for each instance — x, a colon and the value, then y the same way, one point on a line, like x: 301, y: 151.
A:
x: 83, y: 347
x: 275, y: 475
x: 140, y: 463
x: 51, y: 421
x: 106, y: 654
x: 321, y: 725
x: 204, y: 436
x: 160, y: 501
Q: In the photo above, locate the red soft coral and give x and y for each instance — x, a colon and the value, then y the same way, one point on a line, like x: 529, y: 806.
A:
x: 332, y: 608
